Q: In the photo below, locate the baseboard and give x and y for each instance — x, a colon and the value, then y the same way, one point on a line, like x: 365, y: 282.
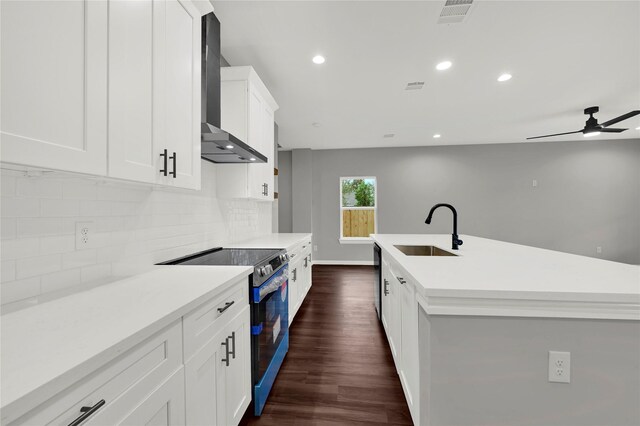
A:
x: 343, y: 262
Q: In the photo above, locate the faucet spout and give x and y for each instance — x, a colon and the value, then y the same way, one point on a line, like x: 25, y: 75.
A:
x: 455, y: 241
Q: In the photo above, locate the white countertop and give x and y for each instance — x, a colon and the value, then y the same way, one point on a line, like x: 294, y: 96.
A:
x: 50, y: 346
x: 283, y: 241
x: 489, y: 277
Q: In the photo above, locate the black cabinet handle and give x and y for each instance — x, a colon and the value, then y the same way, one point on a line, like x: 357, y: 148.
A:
x: 306, y: 261
x: 266, y: 190
x: 402, y: 280
x: 174, y: 158
x: 386, y: 287
x: 166, y: 159
x: 233, y: 344
x: 87, y: 412
x: 226, y: 306
x: 295, y: 274
x: 226, y: 346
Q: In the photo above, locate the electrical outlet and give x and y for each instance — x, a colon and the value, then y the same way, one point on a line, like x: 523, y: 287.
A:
x: 560, y: 367
x: 315, y: 247
x: 534, y: 183
x: 599, y: 250
x: 84, y: 234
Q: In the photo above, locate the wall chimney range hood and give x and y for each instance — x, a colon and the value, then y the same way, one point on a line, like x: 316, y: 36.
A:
x: 218, y: 146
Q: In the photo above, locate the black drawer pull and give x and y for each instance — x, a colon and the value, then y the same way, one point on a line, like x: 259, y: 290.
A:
x: 226, y: 346
x: 226, y: 306
x: 87, y: 412
x: 166, y: 159
x: 174, y: 157
x: 232, y: 352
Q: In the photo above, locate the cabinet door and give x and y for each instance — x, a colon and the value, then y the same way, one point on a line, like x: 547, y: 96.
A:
x: 409, y: 353
x: 134, y: 53
x: 180, y: 97
x: 218, y: 384
x: 294, y: 289
x: 54, y: 84
x: 394, y: 320
x: 164, y: 407
x: 268, y: 150
x: 385, y: 300
x: 237, y: 375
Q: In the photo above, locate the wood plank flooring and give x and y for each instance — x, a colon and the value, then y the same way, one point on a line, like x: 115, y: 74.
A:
x: 339, y: 369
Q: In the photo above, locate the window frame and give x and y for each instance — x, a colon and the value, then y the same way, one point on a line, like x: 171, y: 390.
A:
x: 358, y: 240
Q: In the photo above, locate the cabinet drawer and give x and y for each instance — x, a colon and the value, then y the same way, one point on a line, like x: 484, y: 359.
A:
x: 139, y: 370
x: 300, y: 250
x: 201, y: 324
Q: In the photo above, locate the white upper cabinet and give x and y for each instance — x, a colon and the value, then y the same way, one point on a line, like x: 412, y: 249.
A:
x: 247, y: 111
x: 154, y: 92
x: 115, y: 93
x: 54, y: 84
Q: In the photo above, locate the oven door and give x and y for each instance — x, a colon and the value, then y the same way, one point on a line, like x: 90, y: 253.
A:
x: 270, y: 333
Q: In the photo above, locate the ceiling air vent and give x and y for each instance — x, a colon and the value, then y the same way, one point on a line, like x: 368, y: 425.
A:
x: 454, y: 11
x: 415, y: 85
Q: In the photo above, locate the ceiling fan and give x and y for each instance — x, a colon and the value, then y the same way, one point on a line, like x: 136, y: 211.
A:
x: 592, y: 127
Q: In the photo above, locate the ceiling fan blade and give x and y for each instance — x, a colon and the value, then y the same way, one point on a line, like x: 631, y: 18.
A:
x: 555, y: 134
x: 611, y: 130
x: 621, y: 118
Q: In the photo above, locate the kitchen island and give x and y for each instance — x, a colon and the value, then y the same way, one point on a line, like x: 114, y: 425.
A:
x: 471, y: 333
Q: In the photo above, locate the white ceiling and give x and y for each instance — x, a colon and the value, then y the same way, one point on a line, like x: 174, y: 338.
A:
x: 563, y: 55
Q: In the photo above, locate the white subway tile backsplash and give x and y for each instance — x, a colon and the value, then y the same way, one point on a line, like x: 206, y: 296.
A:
x: 7, y: 185
x: 78, y: 190
x: 57, y: 244
x: 8, y: 271
x: 61, y: 280
x: 8, y: 228
x: 37, y: 266
x: 16, y: 249
x: 95, y: 272
x: 30, y: 227
x: 79, y: 259
x: 17, y: 290
x: 39, y: 187
x: 20, y: 207
x: 134, y: 227
x: 59, y: 208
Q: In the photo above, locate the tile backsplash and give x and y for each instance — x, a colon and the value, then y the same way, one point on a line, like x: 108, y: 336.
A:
x: 132, y: 227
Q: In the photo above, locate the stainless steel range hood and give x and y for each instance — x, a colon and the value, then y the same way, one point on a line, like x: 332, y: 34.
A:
x: 218, y: 146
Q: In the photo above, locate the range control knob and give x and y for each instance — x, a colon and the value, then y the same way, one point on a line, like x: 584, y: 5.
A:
x: 261, y: 272
x: 269, y: 269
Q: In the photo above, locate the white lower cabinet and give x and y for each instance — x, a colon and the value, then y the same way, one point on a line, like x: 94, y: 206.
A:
x: 400, y: 320
x: 137, y: 385
x: 300, y: 280
x: 218, y: 376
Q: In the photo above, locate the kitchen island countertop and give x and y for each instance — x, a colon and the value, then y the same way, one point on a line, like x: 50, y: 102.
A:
x: 489, y: 277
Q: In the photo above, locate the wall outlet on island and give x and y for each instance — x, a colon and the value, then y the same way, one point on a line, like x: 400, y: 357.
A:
x: 599, y: 250
x: 560, y: 367
x: 84, y: 234
x: 315, y: 247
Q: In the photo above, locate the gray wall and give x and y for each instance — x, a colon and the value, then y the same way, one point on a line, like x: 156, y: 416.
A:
x: 302, y: 190
x: 284, y: 192
x: 588, y: 194
x: 494, y: 371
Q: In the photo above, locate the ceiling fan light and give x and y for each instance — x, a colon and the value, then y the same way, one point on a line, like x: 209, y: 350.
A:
x: 589, y: 134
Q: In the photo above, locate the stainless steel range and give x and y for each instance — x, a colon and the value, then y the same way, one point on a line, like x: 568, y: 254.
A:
x: 269, y: 299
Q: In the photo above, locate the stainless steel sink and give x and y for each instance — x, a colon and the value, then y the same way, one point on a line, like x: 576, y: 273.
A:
x: 423, y: 251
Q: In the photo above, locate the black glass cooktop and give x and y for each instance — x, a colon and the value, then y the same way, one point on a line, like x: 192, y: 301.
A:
x: 220, y: 256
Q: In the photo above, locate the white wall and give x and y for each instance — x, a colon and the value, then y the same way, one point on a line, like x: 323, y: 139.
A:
x: 135, y: 226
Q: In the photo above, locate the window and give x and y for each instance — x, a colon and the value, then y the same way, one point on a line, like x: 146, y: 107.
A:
x: 358, y: 208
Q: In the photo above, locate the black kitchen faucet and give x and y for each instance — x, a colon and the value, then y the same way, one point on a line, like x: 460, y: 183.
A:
x: 455, y: 241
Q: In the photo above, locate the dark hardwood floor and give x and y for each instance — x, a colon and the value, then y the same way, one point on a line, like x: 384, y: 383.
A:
x: 339, y: 369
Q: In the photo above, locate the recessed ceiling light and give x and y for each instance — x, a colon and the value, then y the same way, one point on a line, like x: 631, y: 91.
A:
x: 436, y: 136
x: 318, y: 59
x: 638, y: 128
x: 252, y: 159
x: 229, y: 146
x: 504, y: 77
x: 588, y: 135
x: 443, y: 66
x: 388, y: 135
x: 316, y: 124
